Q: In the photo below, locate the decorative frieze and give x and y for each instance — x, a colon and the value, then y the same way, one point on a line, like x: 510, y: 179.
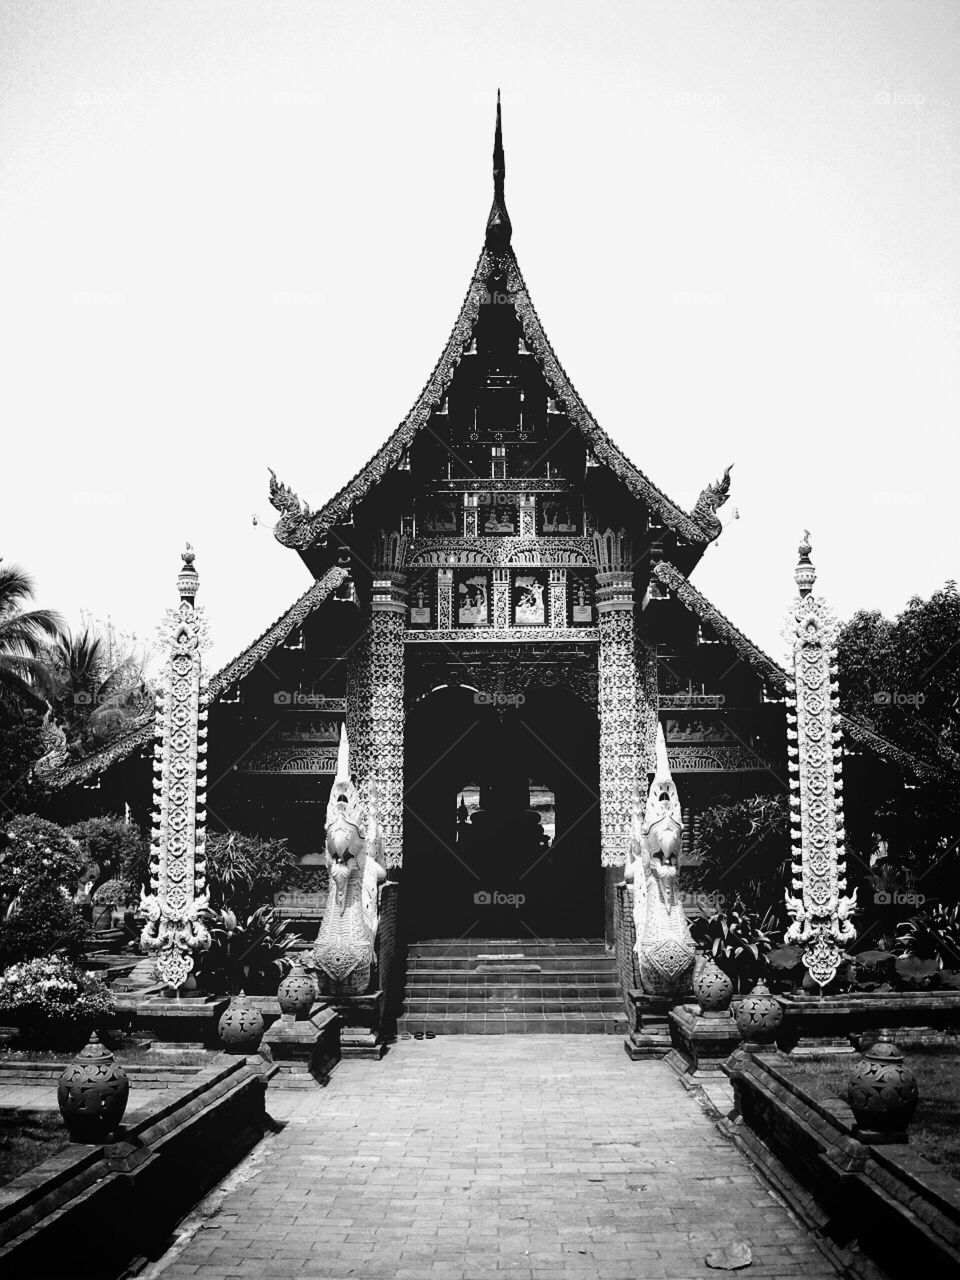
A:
x: 487, y: 635
x: 821, y: 913
x: 521, y: 552
x: 174, y: 907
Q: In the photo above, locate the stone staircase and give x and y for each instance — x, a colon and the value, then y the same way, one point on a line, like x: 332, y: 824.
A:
x: 502, y: 985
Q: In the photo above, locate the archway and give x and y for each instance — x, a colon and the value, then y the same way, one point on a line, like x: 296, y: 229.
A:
x: 493, y: 867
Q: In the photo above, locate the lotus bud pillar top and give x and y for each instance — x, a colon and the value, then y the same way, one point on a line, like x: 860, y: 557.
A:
x: 175, y: 928
x: 821, y: 910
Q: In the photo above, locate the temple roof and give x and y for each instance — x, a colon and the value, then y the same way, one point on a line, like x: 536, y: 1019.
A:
x: 300, y: 528
x: 142, y: 731
x: 776, y: 676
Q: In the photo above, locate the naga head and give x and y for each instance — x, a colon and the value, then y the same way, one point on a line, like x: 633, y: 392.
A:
x: 662, y: 832
x: 343, y: 808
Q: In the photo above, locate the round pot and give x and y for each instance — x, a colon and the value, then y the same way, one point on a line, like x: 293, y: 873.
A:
x: 92, y: 1093
x: 240, y: 1026
x: 102, y: 917
x: 296, y: 994
x: 758, y: 1016
x: 882, y: 1093
x: 712, y: 988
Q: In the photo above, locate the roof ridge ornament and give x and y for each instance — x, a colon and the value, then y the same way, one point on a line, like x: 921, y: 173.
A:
x: 711, y: 498
x: 499, y: 227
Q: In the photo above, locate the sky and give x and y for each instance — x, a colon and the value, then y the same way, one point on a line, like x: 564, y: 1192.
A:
x: 235, y: 235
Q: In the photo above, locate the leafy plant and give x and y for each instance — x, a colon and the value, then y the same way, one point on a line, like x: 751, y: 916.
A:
x: 244, y: 872
x: 739, y: 942
x: 932, y: 934
x: 744, y: 848
x: 113, y: 893
x: 249, y: 954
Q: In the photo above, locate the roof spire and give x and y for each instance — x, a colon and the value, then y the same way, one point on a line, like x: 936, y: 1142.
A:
x: 499, y: 229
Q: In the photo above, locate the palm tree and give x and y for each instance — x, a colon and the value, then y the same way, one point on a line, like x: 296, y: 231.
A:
x: 94, y: 700
x: 24, y: 637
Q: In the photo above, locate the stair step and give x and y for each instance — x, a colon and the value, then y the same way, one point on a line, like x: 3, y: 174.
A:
x: 506, y: 990
x: 513, y: 1024
x: 548, y: 964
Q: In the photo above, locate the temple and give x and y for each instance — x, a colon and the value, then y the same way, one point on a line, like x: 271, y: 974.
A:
x: 501, y: 617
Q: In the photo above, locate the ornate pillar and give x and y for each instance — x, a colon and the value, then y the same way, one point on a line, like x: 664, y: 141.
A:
x: 444, y: 599
x: 528, y: 516
x: 501, y: 599
x: 821, y: 914
x: 621, y: 760
x: 558, y: 598
x: 177, y: 853
x: 380, y: 773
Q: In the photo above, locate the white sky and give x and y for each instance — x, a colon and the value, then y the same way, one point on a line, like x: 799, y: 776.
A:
x: 237, y: 234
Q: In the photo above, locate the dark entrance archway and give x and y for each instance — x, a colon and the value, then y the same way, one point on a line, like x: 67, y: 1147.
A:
x: 496, y: 871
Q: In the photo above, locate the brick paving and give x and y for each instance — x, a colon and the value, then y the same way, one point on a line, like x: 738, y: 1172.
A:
x: 466, y: 1157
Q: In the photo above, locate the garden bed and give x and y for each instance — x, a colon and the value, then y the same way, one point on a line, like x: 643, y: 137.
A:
x: 935, y: 1130
x: 872, y: 1207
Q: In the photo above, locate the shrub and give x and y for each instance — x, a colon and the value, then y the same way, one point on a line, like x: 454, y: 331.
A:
x: 249, y: 954
x: 738, y: 940
x: 244, y: 872
x: 117, y: 848
x: 50, y: 988
x: 39, y: 869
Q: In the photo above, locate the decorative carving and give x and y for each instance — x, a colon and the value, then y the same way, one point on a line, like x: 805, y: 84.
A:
x: 508, y: 672
x: 293, y: 760
x: 241, y: 1026
x: 821, y: 913
x: 501, y: 599
x: 558, y: 597
x: 489, y: 552
x: 711, y: 499
x: 343, y: 951
x: 759, y: 1016
x: 490, y: 635
x: 710, y: 759
x: 175, y: 927
x: 712, y: 987
x: 620, y: 757
x: 883, y: 1092
x: 665, y: 949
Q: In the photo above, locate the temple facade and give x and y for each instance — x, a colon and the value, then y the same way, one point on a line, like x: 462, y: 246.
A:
x: 501, y: 615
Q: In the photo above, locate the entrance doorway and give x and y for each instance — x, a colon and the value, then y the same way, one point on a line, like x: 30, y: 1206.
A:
x: 502, y: 817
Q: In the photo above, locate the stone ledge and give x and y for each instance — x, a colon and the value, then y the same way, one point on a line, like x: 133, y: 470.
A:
x: 886, y: 1208
x: 86, y: 1203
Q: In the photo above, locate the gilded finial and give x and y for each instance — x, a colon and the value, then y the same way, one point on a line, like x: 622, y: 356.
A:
x: 499, y: 228
x: 805, y: 575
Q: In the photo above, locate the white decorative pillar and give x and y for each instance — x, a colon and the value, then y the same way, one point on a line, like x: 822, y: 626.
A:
x: 528, y: 516
x: 174, y: 929
x: 444, y: 599
x: 558, y: 597
x: 501, y: 599
x: 821, y: 914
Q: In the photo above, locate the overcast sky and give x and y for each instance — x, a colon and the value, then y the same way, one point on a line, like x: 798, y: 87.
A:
x: 236, y: 235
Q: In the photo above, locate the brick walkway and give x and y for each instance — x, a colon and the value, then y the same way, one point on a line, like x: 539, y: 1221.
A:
x: 535, y: 1157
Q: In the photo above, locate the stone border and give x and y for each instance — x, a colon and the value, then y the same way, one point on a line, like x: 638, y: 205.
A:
x: 103, y: 1206
x: 877, y: 1210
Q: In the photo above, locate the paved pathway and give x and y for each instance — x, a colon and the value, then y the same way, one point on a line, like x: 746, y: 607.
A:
x: 461, y: 1158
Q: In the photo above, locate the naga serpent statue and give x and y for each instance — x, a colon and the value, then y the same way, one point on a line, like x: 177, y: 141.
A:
x: 343, y: 951
x: 665, y: 950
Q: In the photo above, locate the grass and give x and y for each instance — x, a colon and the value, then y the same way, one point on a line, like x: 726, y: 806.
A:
x: 131, y: 1054
x: 935, y: 1129
x: 27, y: 1138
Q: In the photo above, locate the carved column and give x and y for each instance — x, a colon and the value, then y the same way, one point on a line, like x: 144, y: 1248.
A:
x: 444, y: 599
x: 821, y: 915
x: 177, y: 853
x: 558, y: 597
x: 501, y: 599
x: 528, y: 516
x: 381, y: 780
x: 620, y: 755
